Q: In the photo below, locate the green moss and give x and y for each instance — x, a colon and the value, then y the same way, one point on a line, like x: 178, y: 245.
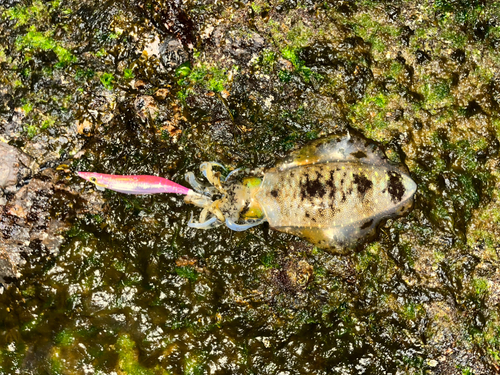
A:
x: 107, y: 80
x: 128, y: 74
x: 35, y: 40
x: 319, y: 273
x: 411, y: 311
x: 480, y: 287
x: 25, y: 14
x: 467, y: 371
x: 284, y: 76
x: 368, y: 257
x: 211, y: 78
x: 192, y: 366
x: 217, y: 79
x: 27, y: 107
x: 268, y: 261
x: 47, y: 123
x: 395, y: 69
x: 101, y: 53
x: 374, y: 32
x: 128, y: 358
x: 268, y: 60
x: 30, y: 291
x: 436, y: 94
x: 119, y: 266
x: 256, y: 7
x: 292, y: 54
x: 457, y: 38
x: 32, y: 324
x: 56, y: 364
x: 459, y: 11
x: 299, y: 35
x: 31, y: 130
x: 84, y: 75
x: 187, y: 273
x: 65, y: 338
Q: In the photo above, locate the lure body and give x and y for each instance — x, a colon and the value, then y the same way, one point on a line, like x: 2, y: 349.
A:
x: 138, y: 184
x: 334, y: 192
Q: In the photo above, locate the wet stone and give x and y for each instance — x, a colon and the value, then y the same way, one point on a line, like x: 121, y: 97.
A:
x: 26, y: 223
x: 15, y: 166
x: 172, y: 53
x: 145, y: 107
x: 422, y: 57
x: 161, y: 94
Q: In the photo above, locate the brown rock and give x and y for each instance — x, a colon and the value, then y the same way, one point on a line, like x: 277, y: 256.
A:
x: 15, y: 166
x: 139, y: 84
x: 145, y: 107
x: 161, y: 94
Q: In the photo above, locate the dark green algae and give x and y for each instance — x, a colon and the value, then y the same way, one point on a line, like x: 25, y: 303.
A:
x: 133, y: 290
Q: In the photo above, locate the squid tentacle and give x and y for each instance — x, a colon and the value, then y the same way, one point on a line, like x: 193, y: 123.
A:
x: 213, y: 178
x: 205, y: 225
x: 206, y: 167
x: 232, y: 173
x: 241, y: 227
x: 198, y: 186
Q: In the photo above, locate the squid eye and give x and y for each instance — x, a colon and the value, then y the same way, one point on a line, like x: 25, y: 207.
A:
x: 93, y: 179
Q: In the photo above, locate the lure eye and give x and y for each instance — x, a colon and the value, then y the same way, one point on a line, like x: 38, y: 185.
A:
x: 93, y: 179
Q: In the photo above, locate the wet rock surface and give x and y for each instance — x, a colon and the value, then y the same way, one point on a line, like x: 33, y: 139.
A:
x: 119, y: 284
x: 28, y: 224
x: 15, y: 167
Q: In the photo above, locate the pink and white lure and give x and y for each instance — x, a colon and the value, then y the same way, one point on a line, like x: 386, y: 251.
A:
x: 140, y: 184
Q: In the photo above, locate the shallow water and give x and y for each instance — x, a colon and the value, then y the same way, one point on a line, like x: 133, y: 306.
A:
x: 134, y: 290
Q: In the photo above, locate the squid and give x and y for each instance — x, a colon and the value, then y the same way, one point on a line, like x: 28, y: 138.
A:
x: 334, y: 192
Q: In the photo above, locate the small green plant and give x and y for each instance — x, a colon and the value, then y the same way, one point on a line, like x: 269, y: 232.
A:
x: 27, y: 107
x: 183, y: 94
x: 107, y: 80
x: 187, y: 272
x: 213, y: 78
x: 268, y: 59
x: 193, y: 367
x: 256, y: 7
x: 128, y: 74
x: 284, y: 76
x: 480, y: 287
x: 64, y: 338
x: 84, y: 75
x: 47, y: 123
x: 24, y: 14
x: 31, y: 130
x: 268, y: 261
x: 291, y: 54
x: 101, y: 53
x: 217, y: 80
x: 183, y: 70
x: 34, y: 40
x: 128, y: 358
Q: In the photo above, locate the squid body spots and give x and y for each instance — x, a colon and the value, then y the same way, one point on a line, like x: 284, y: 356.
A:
x: 395, y: 186
x: 363, y: 184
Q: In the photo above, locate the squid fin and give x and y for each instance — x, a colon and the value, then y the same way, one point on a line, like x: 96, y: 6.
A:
x: 350, y: 146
